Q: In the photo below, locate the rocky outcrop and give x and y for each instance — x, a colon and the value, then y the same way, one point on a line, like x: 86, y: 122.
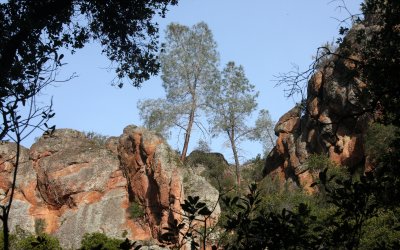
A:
x: 331, y: 121
x: 154, y: 177
x: 72, y: 185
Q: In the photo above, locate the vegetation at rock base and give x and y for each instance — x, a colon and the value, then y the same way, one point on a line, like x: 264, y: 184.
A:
x: 27, y: 241
x: 318, y: 162
x: 351, y: 210
x: 90, y: 241
x: 99, y: 241
x: 32, y: 35
x: 217, y: 170
x: 379, y: 141
x: 348, y: 211
x: 40, y: 226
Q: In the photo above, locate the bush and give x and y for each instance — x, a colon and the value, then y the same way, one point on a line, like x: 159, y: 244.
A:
x: 381, y: 229
x: 318, y: 162
x: 40, y: 226
x: 285, y: 199
x: 253, y: 170
x: 41, y: 242
x: 99, y: 241
x: 135, y: 210
x: 12, y: 239
x: 217, y: 169
x: 379, y: 140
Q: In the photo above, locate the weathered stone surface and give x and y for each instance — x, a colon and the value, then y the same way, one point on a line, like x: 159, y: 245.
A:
x: 74, y: 185
x: 196, y: 185
x: 333, y: 122
x: 25, y: 186
x: 153, y: 173
x: 288, y: 122
x: 77, y: 166
x: 106, y: 215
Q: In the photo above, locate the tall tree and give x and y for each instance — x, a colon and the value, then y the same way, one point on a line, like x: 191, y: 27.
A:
x: 31, y: 36
x: 189, y: 67
x: 230, y: 103
x: 264, y: 131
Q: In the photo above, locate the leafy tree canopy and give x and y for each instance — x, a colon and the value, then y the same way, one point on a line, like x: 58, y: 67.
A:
x: 189, y: 67
x: 33, y: 32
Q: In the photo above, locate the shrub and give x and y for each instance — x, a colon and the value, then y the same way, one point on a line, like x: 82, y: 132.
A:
x: 379, y: 139
x: 40, y: 226
x: 99, y: 241
x: 217, y: 169
x: 12, y: 240
x: 318, y: 162
x: 41, y: 242
x: 135, y: 210
x: 381, y: 228
x: 252, y: 172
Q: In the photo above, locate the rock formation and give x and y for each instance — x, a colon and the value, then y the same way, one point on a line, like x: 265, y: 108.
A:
x: 331, y: 121
x: 73, y: 185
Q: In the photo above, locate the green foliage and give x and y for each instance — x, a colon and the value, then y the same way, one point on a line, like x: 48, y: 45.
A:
x: 99, y: 241
x: 379, y: 141
x: 283, y: 198
x: 135, y: 210
x: 124, y: 234
x: 40, y: 242
x: 264, y: 131
x: 318, y: 162
x: 189, y: 67
x: 217, y: 169
x: 255, y: 228
x: 358, y: 206
x: 40, y: 226
x: 380, y: 52
x: 125, y: 30
x: 230, y: 103
x: 179, y: 233
x: 202, y: 145
x: 252, y: 170
x: 380, y: 230
x: 13, y: 240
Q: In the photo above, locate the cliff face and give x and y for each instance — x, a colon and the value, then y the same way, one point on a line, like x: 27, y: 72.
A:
x: 333, y: 121
x: 73, y: 185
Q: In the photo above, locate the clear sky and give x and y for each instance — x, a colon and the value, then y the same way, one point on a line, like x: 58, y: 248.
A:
x: 266, y: 37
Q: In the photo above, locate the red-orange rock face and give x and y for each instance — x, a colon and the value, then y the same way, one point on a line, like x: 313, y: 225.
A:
x: 75, y: 185
x: 332, y: 122
x: 153, y: 176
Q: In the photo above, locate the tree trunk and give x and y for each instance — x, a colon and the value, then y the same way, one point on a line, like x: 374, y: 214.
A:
x: 7, y: 208
x: 188, y: 132
x: 6, y: 235
x: 236, y: 157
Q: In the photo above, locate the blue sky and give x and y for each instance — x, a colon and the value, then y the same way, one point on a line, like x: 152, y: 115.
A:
x: 266, y: 37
